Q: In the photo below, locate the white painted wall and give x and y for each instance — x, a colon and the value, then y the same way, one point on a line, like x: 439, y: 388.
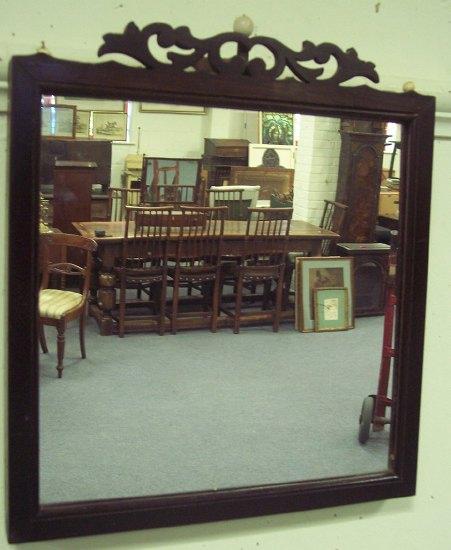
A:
x: 408, y: 40
x: 316, y: 169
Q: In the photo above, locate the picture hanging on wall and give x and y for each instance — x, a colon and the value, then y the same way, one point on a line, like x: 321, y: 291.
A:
x: 276, y: 128
x: 82, y: 120
x: 109, y: 125
x: 272, y: 156
x: 171, y: 108
x: 58, y: 121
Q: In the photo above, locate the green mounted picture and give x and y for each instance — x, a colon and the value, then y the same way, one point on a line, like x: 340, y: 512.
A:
x: 276, y: 128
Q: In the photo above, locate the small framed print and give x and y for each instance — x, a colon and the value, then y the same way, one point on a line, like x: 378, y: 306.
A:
x: 58, y: 121
x: 331, y: 309
x: 170, y: 108
x: 109, y: 125
x: 82, y: 123
x: 321, y: 272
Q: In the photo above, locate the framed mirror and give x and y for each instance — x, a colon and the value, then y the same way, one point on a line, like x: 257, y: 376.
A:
x: 196, y: 426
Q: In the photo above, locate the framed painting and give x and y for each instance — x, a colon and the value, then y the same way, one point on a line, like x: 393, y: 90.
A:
x: 82, y: 124
x: 277, y: 156
x: 170, y: 108
x: 276, y: 128
x: 58, y: 121
x: 109, y: 125
x: 321, y: 272
x: 331, y: 309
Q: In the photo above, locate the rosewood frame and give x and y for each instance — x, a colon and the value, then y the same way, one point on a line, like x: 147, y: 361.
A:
x: 241, y: 85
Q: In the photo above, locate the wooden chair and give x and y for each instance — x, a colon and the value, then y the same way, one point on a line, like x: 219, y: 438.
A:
x: 143, y: 264
x: 233, y: 199
x: 263, y: 261
x: 58, y: 306
x: 197, y: 257
x: 119, y: 198
x: 174, y: 195
x: 333, y: 217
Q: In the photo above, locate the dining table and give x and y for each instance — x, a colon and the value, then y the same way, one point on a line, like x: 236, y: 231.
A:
x: 303, y: 237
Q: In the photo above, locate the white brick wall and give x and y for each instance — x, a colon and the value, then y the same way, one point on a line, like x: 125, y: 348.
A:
x: 316, y: 167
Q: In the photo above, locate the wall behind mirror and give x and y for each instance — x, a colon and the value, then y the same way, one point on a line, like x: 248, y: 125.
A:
x: 200, y: 411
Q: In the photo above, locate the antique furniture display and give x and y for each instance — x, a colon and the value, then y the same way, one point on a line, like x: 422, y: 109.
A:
x: 180, y: 172
x: 72, y: 192
x: 196, y: 255
x: 143, y: 264
x: 359, y: 177
x: 240, y: 83
x: 119, y: 198
x: 269, y: 179
x: 237, y: 198
x: 220, y: 155
x: 78, y: 150
x: 262, y: 261
x: 302, y: 236
x: 327, y: 272
x: 370, y: 275
x: 58, y: 306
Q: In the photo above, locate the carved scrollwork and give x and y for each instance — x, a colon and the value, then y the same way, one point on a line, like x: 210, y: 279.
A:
x: 135, y: 44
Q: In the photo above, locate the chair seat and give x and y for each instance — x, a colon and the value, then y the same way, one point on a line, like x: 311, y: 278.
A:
x: 141, y: 275
x: 195, y: 273
x: 54, y: 303
x: 255, y: 272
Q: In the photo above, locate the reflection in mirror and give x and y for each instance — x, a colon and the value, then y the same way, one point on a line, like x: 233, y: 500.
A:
x: 279, y: 401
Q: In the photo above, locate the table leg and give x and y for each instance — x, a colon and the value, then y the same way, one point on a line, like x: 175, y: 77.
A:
x: 106, y: 302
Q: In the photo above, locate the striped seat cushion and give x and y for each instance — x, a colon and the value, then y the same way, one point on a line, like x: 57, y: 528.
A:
x: 55, y: 303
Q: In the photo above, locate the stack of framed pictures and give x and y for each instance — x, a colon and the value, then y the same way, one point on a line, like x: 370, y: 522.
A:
x: 324, y: 294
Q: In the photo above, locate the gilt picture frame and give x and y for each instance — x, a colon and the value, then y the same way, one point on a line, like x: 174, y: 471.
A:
x: 109, y: 125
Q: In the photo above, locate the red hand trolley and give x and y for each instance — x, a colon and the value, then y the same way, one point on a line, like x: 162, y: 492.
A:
x: 374, y: 406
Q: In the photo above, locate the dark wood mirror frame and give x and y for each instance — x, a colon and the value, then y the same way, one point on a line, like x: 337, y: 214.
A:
x: 236, y: 83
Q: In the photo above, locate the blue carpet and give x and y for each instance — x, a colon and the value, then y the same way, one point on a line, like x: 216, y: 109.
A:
x: 199, y: 411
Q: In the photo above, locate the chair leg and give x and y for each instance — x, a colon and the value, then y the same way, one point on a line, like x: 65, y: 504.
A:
x: 238, y: 301
x: 82, y: 333
x: 162, y: 306
x: 175, y: 304
x: 60, y: 341
x: 278, y: 304
x: 266, y: 294
x: 42, y: 339
x: 122, y: 309
x: 215, y: 304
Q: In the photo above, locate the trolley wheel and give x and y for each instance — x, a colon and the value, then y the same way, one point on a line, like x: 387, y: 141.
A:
x: 366, y: 417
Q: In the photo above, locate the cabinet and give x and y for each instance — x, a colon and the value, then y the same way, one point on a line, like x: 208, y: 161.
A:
x: 359, y: 177
x: 371, y: 262
x: 220, y: 155
x: 72, y: 187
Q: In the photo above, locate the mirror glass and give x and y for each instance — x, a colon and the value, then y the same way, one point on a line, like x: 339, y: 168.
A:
x: 151, y: 415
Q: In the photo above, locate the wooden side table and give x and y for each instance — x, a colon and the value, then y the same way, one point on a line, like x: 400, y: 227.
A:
x: 370, y: 275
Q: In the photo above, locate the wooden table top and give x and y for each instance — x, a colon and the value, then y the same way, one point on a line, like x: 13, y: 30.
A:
x: 233, y: 229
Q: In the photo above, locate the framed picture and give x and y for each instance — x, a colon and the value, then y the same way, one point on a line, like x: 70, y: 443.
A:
x: 274, y: 156
x: 109, y: 125
x: 276, y: 128
x: 58, y: 121
x: 171, y: 108
x: 82, y: 122
x: 92, y: 104
x: 331, y: 309
x: 321, y: 272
